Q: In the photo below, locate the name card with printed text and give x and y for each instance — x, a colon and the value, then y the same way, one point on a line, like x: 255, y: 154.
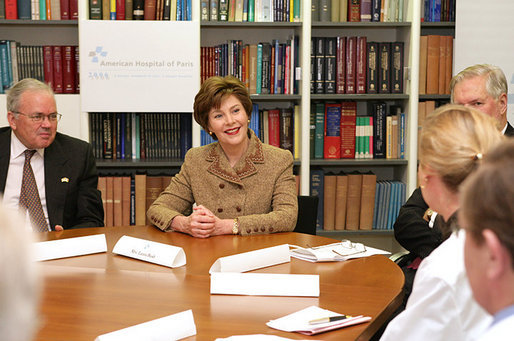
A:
x: 149, y: 251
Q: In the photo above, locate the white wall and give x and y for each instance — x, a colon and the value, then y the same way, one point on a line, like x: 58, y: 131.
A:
x: 484, y: 33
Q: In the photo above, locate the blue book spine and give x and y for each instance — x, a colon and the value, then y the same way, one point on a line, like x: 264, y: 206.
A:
x: 186, y: 140
x: 10, y: 78
x: 132, y: 202
x: 188, y: 10
x: 259, y: 69
x: 180, y: 8
x: 377, y: 205
x: 427, y: 10
x: 4, y: 67
x: 138, y: 136
x: 255, y: 121
x: 437, y: 11
x: 401, y: 138
x: 24, y: 10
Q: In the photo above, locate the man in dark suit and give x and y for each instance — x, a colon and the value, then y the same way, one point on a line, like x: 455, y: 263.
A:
x: 63, y: 167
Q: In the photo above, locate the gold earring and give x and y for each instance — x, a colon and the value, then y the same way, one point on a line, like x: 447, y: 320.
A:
x: 210, y: 133
x: 248, y: 121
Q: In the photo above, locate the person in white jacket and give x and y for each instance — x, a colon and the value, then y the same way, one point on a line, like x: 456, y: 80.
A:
x: 441, y: 306
x: 487, y: 215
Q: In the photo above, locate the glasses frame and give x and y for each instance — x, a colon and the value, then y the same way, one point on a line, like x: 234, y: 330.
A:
x: 40, y: 117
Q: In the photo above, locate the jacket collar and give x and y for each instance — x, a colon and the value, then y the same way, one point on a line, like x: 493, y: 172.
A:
x: 245, y: 166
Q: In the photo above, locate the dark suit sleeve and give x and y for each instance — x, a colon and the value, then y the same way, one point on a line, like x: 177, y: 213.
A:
x: 90, y: 211
x: 412, y: 231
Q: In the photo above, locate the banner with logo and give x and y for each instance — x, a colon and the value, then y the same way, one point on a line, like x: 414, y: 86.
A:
x: 139, y: 66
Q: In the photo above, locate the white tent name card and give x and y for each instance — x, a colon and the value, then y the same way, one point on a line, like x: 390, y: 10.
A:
x: 173, y: 327
x: 252, y: 260
x: 70, y: 247
x: 149, y: 251
x: 264, y: 284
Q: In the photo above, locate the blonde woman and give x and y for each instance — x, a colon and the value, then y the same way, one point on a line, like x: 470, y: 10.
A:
x: 441, y: 307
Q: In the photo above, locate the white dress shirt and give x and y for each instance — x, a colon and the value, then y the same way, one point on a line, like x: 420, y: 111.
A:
x: 441, y: 306
x: 502, y: 327
x: 11, y: 198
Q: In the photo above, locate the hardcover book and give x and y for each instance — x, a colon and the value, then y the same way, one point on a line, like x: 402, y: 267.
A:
x: 348, y: 123
x: 372, y: 68
x: 351, y: 60
x: 384, y: 68
x: 360, y: 67
x: 332, y: 142
x: 397, y: 68
x: 354, y: 201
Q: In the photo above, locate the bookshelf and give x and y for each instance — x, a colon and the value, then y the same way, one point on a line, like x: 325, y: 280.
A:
x: 75, y: 122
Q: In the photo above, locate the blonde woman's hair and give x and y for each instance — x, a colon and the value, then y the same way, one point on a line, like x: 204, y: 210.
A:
x: 454, y: 139
x: 486, y: 197
x: 495, y: 85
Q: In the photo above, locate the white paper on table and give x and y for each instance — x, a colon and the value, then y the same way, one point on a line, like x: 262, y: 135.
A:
x: 340, y: 251
x: 256, y: 337
x: 149, y: 251
x: 264, y: 284
x: 172, y: 327
x: 299, y: 321
x: 70, y: 247
x: 252, y: 260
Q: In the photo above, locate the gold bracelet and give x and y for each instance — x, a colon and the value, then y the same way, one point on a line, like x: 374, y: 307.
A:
x: 235, y: 227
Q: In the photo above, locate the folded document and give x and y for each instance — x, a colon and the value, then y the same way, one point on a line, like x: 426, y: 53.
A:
x: 343, y: 250
x: 70, y: 247
x: 300, y: 321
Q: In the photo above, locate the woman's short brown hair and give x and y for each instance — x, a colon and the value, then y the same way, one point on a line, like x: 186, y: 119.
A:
x: 213, y: 91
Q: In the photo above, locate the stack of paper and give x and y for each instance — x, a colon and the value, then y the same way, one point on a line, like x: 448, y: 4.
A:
x: 343, y: 250
x: 300, y: 321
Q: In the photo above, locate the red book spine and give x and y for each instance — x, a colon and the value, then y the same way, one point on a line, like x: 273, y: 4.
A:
x: 354, y: 10
x: 150, y: 9
x: 48, y: 65
x: 348, y: 123
x: 77, y: 69
x: 120, y: 9
x: 68, y: 75
x: 58, y: 72
x: 74, y: 9
x: 361, y: 65
x: 11, y: 9
x: 65, y: 9
x: 274, y: 127
x: 351, y: 56
x: 341, y: 65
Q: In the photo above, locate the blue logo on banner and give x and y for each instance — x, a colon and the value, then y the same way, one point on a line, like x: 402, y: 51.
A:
x: 98, y: 52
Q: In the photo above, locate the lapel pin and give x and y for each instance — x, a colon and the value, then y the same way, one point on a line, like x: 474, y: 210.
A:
x: 65, y: 179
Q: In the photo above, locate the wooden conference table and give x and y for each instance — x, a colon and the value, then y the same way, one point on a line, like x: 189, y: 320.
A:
x: 91, y: 295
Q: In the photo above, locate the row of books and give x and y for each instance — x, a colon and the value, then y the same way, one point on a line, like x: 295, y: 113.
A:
x: 55, y: 65
x: 337, y: 132
x: 435, y: 64
x: 360, y: 10
x: 352, y: 65
x: 278, y: 127
x: 39, y: 9
x: 251, y: 10
x: 265, y: 68
x: 356, y: 201
x: 174, y: 10
x: 438, y: 10
x: 127, y: 198
x: 121, y: 136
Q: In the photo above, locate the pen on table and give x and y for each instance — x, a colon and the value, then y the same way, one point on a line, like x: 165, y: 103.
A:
x: 329, y: 319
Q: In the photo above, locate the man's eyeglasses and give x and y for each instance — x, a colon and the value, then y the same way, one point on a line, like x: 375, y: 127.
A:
x: 55, y: 117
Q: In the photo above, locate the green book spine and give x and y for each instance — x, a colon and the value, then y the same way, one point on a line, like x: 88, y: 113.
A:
x: 42, y: 10
x: 251, y: 10
x: 259, y: 69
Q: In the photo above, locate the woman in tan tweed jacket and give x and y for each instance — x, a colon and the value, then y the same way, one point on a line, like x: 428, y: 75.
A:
x: 239, y: 185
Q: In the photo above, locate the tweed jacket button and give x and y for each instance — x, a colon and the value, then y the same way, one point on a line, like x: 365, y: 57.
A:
x: 240, y: 186
x: 248, y: 230
x: 263, y: 229
x: 238, y: 208
x: 271, y: 229
x: 222, y: 186
x: 255, y: 229
x: 220, y: 210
